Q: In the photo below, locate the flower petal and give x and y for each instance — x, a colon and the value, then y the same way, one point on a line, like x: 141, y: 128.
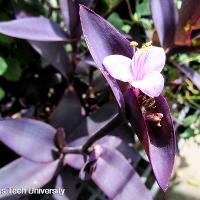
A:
x: 119, y: 67
x: 151, y: 85
x: 148, y: 61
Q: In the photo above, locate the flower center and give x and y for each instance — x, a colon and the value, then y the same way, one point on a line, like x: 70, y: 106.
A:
x: 142, y: 55
x: 147, y: 104
x: 143, y: 50
x: 155, y: 118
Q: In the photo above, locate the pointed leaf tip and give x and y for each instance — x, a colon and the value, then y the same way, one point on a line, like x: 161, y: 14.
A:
x: 104, y: 40
x: 33, y: 28
x: 164, y: 16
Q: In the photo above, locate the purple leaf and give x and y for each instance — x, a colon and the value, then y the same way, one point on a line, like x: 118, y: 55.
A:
x: 117, y: 178
x: 159, y: 142
x: 25, y: 174
x: 52, y: 52
x: 69, y: 181
x: 104, y: 40
x: 33, y: 28
x: 29, y: 138
x: 83, y: 69
x: 71, y: 18
x: 91, y: 125
x: 89, y: 60
x: 55, y: 54
x: 74, y: 160
x: 189, y: 16
x: 164, y: 17
x: 70, y: 12
x: 113, y: 142
x: 190, y: 73
x: 99, y: 83
x: 125, y: 132
x: 68, y: 112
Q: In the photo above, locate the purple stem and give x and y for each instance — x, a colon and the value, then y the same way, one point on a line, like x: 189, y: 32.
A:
x: 72, y: 150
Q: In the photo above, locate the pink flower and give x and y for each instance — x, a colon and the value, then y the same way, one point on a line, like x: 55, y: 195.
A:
x: 142, y: 72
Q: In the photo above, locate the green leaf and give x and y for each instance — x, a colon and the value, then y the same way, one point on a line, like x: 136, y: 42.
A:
x: 111, y: 3
x: 147, y: 24
x: 32, y: 7
x: 136, y: 17
x: 5, y: 40
x: 23, y: 53
x: 187, y: 133
x: 14, y: 71
x: 118, y: 22
x: 189, y: 120
x: 68, y: 48
x: 143, y: 8
x: 54, y: 3
x: 178, y: 4
x: 126, y: 28
x: 187, y: 58
x: 115, y: 20
x: 3, y: 66
x: 171, y: 73
x: 2, y: 93
x: 183, y: 57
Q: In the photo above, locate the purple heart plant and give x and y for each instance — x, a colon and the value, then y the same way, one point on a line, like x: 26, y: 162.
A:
x: 144, y: 105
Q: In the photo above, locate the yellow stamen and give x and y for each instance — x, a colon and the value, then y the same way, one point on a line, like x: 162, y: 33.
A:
x: 147, y: 44
x: 142, y: 50
x: 145, y: 47
x: 134, y: 43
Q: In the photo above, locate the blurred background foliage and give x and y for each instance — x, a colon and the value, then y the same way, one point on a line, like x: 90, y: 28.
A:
x: 21, y: 66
